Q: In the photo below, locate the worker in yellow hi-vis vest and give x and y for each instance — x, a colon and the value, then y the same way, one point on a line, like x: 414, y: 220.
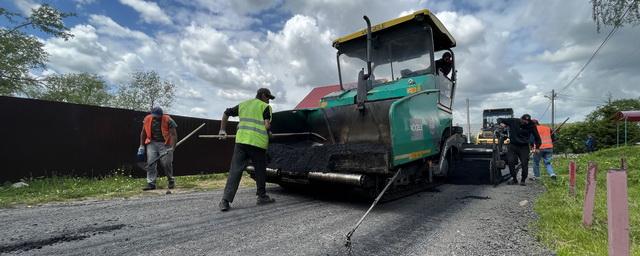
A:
x: 252, y: 140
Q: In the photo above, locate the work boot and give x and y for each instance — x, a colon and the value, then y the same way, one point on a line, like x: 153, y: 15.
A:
x: 224, y: 205
x: 172, y: 184
x: 150, y: 186
x: 513, y: 182
x: 265, y: 200
x: 553, y: 177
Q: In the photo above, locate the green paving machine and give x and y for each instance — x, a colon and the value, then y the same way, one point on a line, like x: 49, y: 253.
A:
x: 395, y: 118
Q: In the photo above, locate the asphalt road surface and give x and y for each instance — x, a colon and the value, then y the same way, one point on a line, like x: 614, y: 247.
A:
x: 452, y: 220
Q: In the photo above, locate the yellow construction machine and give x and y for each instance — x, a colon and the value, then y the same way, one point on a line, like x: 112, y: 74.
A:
x: 490, y: 123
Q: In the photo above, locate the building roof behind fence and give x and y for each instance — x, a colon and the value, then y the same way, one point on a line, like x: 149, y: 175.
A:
x: 312, y: 100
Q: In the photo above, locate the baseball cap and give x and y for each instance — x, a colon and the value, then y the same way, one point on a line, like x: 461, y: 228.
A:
x: 266, y: 92
x: 156, y: 111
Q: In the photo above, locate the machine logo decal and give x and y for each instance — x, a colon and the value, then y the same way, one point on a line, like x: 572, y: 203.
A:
x: 416, y: 129
x: 432, y: 125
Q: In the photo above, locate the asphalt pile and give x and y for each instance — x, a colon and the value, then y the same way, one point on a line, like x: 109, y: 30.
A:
x: 306, y: 157
x: 469, y: 173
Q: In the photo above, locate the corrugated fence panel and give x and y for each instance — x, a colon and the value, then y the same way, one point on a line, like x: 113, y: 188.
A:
x: 44, y: 138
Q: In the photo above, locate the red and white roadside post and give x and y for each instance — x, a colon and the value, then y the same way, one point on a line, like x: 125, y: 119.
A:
x: 572, y: 178
x: 618, y: 212
x: 589, y: 195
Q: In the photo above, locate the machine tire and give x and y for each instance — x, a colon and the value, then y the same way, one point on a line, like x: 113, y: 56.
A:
x: 445, y: 165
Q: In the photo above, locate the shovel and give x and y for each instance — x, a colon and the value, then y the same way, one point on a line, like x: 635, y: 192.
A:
x: 275, y: 135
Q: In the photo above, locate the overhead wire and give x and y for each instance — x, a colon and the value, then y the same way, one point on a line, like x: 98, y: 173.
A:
x: 584, y: 99
x: 545, y: 111
x: 604, y: 42
x: 576, y: 96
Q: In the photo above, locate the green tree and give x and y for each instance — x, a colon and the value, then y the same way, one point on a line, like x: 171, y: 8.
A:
x: 600, y: 124
x: 82, y: 88
x: 145, y: 90
x: 610, y: 12
x: 22, y: 52
x: 607, y: 111
x: 571, y: 138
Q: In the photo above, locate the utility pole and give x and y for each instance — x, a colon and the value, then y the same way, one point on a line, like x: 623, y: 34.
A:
x: 468, y: 124
x: 553, y: 107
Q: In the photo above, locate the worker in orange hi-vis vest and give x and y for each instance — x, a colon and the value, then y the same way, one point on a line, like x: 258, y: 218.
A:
x: 158, y: 138
x: 546, y: 151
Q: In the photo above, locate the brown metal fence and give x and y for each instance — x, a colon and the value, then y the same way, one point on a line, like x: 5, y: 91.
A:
x: 43, y: 138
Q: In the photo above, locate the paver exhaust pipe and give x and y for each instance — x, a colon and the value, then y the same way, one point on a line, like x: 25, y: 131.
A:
x: 350, y: 179
x: 270, y: 172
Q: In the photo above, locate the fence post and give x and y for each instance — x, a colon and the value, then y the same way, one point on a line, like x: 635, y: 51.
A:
x: 572, y: 178
x: 589, y: 195
x: 617, y: 212
x: 623, y: 164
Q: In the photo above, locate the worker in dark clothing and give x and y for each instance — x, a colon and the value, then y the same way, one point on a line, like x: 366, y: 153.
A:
x: 590, y: 143
x: 252, y: 141
x: 444, y: 64
x: 520, y: 130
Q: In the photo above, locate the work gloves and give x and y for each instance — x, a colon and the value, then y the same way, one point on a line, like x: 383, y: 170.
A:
x: 223, y: 134
x: 140, y: 156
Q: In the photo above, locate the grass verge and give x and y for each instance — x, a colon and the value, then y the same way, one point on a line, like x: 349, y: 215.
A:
x: 560, y: 224
x: 44, y: 190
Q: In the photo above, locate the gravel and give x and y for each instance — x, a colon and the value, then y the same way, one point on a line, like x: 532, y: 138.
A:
x: 454, y: 220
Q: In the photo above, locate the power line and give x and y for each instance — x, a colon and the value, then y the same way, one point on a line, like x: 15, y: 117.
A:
x: 581, y: 97
x: 545, y: 111
x: 505, y: 99
x: 584, y: 99
x: 499, y: 100
x: 613, y: 30
x: 604, y: 42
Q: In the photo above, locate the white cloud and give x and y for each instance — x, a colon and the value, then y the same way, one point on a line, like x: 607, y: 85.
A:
x: 190, y: 93
x: 81, y: 3
x: 466, y: 29
x: 407, y: 12
x: 150, y: 11
x: 509, y: 54
x: 103, y: 47
x: 82, y: 53
x: 569, y: 53
x: 300, y: 56
x: 109, y: 27
x: 234, y: 95
x: 26, y: 6
x: 198, y: 111
x: 120, y: 69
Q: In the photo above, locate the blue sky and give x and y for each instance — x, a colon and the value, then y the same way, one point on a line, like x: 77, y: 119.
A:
x: 271, y: 18
x: 510, y: 53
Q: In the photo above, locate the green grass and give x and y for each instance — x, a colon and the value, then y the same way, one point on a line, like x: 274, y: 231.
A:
x: 44, y: 190
x: 560, y: 224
